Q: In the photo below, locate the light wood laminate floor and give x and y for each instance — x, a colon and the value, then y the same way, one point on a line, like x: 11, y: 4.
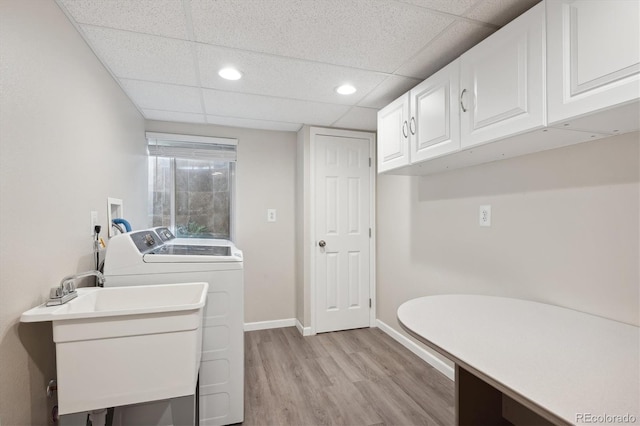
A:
x: 355, y: 377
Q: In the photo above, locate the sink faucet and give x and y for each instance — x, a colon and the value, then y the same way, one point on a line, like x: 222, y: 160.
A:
x: 67, y: 288
x: 69, y: 279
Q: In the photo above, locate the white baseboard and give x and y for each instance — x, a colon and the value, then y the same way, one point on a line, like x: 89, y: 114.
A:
x: 305, y: 331
x: 264, y: 325
x: 417, y: 349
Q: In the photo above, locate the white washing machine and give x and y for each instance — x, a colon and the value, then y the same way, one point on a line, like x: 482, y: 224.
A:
x: 155, y: 256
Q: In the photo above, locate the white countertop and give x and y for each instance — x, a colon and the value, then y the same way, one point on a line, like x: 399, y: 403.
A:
x: 562, y: 360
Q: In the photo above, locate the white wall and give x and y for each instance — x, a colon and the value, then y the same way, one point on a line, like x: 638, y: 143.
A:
x: 565, y: 231
x: 265, y: 177
x: 303, y: 223
x: 69, y: 138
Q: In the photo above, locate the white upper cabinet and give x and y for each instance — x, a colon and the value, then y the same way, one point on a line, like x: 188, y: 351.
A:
x: 421, y: 124
x: 564, y: 72
x: 593, y: 56
x: 502, y: 90
x: 434, y: 124
x: 393, y: 135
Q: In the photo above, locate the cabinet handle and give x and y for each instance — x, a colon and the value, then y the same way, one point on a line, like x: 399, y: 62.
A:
x: 412, y: 126
x: 404, y: 129
x: 462, y: 103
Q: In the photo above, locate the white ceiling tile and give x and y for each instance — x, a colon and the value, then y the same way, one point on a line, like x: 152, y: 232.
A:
x: 452, y: 43
x: 389, y: 90
x: 158, y: 17
x: 283, y: 77
x: 241, y: 105
x: 374, y: 35
x: 293, y: 54
x: 253, y: 124
x: 500, y: 12
x: 143, y: 57
x: 181, y: 117
x: 168, y: 97
x: 455, y: 7
x: 359, y: 119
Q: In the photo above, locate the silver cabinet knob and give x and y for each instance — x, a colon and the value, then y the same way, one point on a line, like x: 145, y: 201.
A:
x: 322, y: 243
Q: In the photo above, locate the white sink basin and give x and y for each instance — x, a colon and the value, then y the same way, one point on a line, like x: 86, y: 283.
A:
x: 124, y: 345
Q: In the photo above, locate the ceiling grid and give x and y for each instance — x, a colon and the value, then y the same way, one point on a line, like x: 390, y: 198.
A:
x: 166, y: 54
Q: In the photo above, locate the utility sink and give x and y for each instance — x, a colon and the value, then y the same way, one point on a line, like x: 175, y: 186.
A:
x: 125, y: 345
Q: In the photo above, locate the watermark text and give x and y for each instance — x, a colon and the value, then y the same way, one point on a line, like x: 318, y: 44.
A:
x: 590, y: 418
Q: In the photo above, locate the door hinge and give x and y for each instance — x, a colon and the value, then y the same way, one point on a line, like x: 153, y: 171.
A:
x: 369, y: 161
x: 369, y: 303
x: 369, y: 232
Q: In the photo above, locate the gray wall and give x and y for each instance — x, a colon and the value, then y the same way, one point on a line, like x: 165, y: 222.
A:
x: 265, y: 178
x: 564, y: 231
x: 303, y: 224
x: 69, y: 138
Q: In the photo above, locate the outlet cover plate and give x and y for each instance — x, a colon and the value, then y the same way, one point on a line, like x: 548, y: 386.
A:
x: 485, y: 216
x: 94, y: 221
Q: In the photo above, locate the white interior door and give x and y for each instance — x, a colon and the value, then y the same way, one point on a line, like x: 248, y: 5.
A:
x: 342, y: 232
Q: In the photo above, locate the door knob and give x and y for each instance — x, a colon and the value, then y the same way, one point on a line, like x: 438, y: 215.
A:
x: 322, y: 243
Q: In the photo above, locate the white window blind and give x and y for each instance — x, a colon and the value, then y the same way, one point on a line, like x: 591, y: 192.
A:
x: 189, y: 146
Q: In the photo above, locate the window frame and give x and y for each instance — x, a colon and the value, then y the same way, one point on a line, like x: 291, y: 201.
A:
x: 199, y: 142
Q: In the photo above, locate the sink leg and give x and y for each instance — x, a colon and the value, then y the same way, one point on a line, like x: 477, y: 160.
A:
x: 98, y: 417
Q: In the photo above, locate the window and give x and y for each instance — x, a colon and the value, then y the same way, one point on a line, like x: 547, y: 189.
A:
x: 191, y: 184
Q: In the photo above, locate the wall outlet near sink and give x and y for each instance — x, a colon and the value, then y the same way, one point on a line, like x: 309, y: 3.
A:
x: 94, y: 221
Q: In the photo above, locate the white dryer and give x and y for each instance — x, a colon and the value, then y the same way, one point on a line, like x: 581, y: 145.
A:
x: 155, y: 256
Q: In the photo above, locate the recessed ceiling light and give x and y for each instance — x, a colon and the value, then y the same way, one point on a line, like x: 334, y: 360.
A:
x: 346, y: 89
x: 230, y: 73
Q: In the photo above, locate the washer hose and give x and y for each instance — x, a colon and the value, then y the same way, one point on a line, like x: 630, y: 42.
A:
x: 127, y: 225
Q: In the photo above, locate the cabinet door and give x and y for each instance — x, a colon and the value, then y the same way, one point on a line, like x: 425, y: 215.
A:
x: 593, y: 55
x: 393, y: 135
x: 435, y: 123
x: 501, y: 82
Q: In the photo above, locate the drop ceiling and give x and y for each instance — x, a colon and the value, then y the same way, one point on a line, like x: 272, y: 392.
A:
x: 166, y: 54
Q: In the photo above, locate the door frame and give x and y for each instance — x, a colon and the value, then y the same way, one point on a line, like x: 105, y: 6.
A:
x: 314, y: 132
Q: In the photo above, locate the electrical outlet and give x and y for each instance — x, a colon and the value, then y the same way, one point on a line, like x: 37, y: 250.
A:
x: 271, y: 215
x: 94, y: 221
x: 485, y: 215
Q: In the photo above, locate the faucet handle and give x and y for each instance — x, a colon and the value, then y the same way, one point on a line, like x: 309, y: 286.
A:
x: 55, y: 293
x: 69, y: 287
